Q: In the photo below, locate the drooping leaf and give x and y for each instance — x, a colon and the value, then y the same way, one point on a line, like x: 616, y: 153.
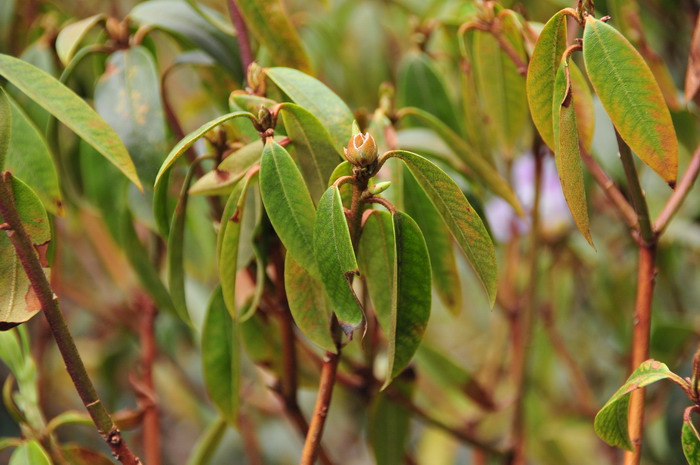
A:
x: 222, y: 179
x: 288, y: 203
x: 206, y: 445
x: 567, y: 155
x: 30, y: 453
x: 690, y: 439
x: 221, y: 358
x: 442, y: 257
x: 459, y: 217
x: 411, y: 298
x: 18, y: 302
x: 389, y: 425
x: 309, y: 305
x: 541, y: 73
x: 127, y: 96
x: 376, y: 254
x: 187, y: 142
x: 585, y: 113
x: 631, y: 97
x: 70, y: 109
x: 611, y: 422
x: 335, y: 259
x: 70, y: 37
x: 484, y: 172
x: 314, y: 149
x: 316, y: 97
x: 270, y: 24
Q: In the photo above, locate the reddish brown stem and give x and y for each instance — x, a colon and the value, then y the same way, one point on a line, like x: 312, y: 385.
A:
x: 679, y: 195
x: 241, y: 35
x: 151, y: 423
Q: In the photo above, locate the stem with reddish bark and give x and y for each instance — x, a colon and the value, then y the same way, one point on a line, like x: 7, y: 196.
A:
x: 151, y: 424
x: 64, y: 340
x: 241, y: 34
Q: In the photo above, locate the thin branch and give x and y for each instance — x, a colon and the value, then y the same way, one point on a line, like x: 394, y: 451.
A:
x: 679, y: 195
x: 151, y: 424
x: 241, y: 34
x: 66, y: 345
x: 636, y: 193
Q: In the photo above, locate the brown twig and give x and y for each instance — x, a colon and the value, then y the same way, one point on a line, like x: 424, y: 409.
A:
x: 679, y: 195
x: 66, y: 345
x: 151, y: 426
x: 241, y: 35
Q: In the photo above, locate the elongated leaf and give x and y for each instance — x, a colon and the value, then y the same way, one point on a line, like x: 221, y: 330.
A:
x: 127, y: 96
x: 541, y: 73
x: 70, y: 109
x: 420, y: 85
x: 459, y: 216
x: 335, y: 259
x: 473, y: 114
x: 182, y: 146
x: 309, y: 305
x: 631, y: 97
x: 690, y: 439
x: 221, y: 358
x: 376, y: 256
x: 5, y: 126
x: 316, y: 97
x: 29, y: 158
x: 442, y: 257
x: 30, y: 453
x: 389, y: 424
x: 484, y: 172
x: 70, y: 37
x: 567, y: 156
x: 315, y: 150
x: 230, y: 171
x: 611, y: 422
x: 585, y: 113
x: 207, y: 443
x: 270, y: 24
x: 78, y: 455
x: 288, y: 204
x: 18, y: 302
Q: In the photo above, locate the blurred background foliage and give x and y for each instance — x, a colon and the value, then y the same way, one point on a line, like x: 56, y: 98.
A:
x: 583, y: 325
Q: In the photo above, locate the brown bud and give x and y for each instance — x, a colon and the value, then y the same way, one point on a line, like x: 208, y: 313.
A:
x: 361, y: 150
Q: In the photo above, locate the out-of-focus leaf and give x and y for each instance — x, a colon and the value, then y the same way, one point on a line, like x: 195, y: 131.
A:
x: 78, y: 455
x: 187, y: 142
x: 315, y: 151
x: 180, y: 19
x: 484, y: 172
x: 308, y: 304
x: 389, y: 425
x: 442, y: 257
x: 206, y: 445
x: 692, y: 75
x: 611, y: 422
x: 459, y: 216
x: 335, y: 259
x: 631, y: 97
x: 127, y: 96
x: 221, y: 358
x: 7, y: 17
x: 214, y: 18
x: 68, y: 40
x: 411, y: 298
x: 690, y: 439
x: 30, y: 453
x: 5, y: 126
x: 567, y: 155
x: 313, y: 95
x: 70, y: 417
x: 29, y: 157
x: 541, y: 73
x: 222, y: 179
x: 270, y: 24
x: 288, y: 204
x: 70, y: 109
x: 420, y: 85
x: 240, y: 99
x: 18, y: 302
x: 376, y: 254
x: 473, y: 114
x: 585, y: 113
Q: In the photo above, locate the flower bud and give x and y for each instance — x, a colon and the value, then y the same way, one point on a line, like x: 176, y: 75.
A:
x: 361, y: 150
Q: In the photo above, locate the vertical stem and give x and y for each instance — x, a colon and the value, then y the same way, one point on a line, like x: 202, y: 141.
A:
x: 151, y: 426
x: 635, y: 192
x: 49, y: 304
x: 241, y: 34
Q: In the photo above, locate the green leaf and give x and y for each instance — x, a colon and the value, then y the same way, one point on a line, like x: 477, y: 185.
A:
x: 459, y: 216
x: 631, y: 97
x: 442, y: 257
x: 389, y: 424
x: 316, y: 97
x: 208, y: 442
x: 270, y: 25
x: 411, y: 297
x: 420, y: 85
x: 30, y: 453
x: 483, y: 172
x: 222, y: 179
x: 187, y: 142
x: 308, y: 304
x: 288, y: 203
x: 70, y: 109
x: 376, y: 253
x: 585, y: 113
x: 18, y: 302
x: 221, y: 358
x: 567, y: 155
x: 30, y: 158
x: 335, y: 259
x: 5, y: 126
x: 542, y: 72
x: 314, y: 149
x: 78, y: 455
x: 70, y: 37
x: 127, y: 96
x: 690, y: 439
x: 70, y: 417
x: 611, y: 422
